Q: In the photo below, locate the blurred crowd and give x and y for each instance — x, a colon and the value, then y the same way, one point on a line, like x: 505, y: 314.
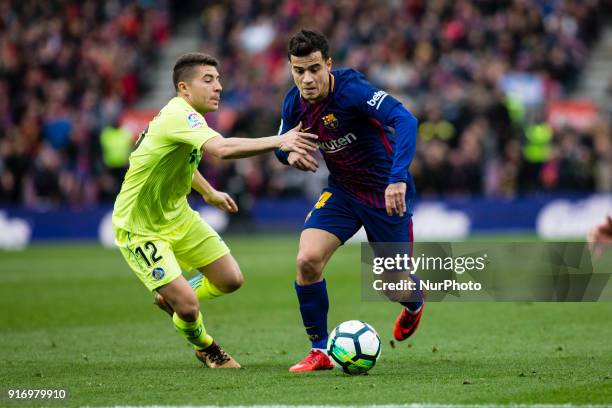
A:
x: 68, y: 69
x: 445, y: 60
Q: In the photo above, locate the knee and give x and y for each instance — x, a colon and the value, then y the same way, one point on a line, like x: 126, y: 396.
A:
x: 188, y: 309
x: 232, y: 279
x: 310, y: 267
x: 233, y: 282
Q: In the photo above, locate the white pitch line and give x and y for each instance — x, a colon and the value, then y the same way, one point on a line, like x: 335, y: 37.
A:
x: 415, y: 405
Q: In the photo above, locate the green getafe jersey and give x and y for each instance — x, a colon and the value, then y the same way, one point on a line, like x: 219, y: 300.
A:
x: 154, y: 192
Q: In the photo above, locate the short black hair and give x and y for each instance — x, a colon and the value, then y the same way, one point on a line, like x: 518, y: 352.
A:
x: 306, y: 42
x: 183, y: 68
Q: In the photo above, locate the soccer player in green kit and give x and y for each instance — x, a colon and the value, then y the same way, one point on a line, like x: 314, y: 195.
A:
x: 156, y: 230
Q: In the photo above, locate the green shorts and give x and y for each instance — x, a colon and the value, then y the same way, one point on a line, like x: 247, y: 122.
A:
x: 157, y: 259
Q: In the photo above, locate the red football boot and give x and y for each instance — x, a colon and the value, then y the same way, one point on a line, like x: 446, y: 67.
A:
x: 407, y: 323
x: 315, y: 360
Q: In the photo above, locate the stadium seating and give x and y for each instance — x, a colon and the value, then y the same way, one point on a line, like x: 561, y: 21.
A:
x: 456, y: 65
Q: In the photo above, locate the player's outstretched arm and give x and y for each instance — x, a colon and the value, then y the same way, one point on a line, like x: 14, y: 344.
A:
x: 219, y: 199
x: 239, y: 147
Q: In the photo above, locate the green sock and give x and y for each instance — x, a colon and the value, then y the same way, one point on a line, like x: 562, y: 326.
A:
x: 204, y: 289
x: 194, y: 332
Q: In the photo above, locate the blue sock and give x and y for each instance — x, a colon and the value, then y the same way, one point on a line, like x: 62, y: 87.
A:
x: 314, y: 305
x: 416, y: 297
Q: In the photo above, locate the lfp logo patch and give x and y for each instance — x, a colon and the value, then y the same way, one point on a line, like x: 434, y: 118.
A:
x: 195, y: 121
x: 330, y: 121
x: 158, y: 273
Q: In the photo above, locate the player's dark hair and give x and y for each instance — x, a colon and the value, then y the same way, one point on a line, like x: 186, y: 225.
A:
x: 183, y: 68
x: 306, y: 42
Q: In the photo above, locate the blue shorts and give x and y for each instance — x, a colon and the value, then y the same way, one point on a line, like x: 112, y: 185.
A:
x: 338, y: 213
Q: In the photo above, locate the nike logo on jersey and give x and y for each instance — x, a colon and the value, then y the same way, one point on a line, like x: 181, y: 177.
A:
x: 335, y: 145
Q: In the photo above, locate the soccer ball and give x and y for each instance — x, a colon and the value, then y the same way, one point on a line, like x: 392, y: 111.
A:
x: 354, y: 346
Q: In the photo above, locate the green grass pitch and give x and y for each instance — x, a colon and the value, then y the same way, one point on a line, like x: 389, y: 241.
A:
x: 75, y: 317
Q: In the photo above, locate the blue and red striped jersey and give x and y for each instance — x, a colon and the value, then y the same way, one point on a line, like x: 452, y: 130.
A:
x: 366, y: 136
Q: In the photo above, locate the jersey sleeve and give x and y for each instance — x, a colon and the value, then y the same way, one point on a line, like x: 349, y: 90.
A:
x: 405, y: 125
x: 285, y: 125
x: 387, y: 110
x: 371, y: 101
x: 189, y: 128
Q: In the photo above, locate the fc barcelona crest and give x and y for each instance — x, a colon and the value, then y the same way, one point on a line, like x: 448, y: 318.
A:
x: 330, y: 121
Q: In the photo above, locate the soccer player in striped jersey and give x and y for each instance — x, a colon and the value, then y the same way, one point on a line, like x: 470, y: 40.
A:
x: 156, y: 230
x: 369, y: 182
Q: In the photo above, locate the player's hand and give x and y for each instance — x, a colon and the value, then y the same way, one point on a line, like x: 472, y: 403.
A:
x: 600, y: 237
x: 395, y: 198
x: 221, y: 200
x: 299, y: 142
x: 303, y: 162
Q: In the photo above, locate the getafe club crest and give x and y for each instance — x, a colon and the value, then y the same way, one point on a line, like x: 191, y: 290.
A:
x: 330, y: 121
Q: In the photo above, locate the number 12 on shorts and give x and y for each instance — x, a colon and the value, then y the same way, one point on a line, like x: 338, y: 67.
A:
x: 152, y: 249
